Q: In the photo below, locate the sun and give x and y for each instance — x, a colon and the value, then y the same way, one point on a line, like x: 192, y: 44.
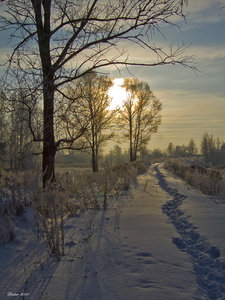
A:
x: 118, y: 93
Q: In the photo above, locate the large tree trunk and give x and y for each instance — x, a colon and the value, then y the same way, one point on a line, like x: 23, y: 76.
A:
x: 49, y: 148
x: 42, y: 11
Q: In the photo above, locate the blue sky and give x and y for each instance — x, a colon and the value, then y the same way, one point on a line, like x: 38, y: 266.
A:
x: 192, y: 103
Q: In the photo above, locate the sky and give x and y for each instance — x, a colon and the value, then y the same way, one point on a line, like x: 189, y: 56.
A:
x: 193, y: 103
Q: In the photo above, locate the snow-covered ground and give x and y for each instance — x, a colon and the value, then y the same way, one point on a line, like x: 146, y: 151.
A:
x: 163, y: 240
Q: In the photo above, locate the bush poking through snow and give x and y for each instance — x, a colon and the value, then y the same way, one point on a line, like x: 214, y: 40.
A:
x: 209, y: 181
x: 74, y: 194
x: 7, y: 230
x: 11, y: 205
x: 17, y: 191
x: 71, y: 195
x: 53, y: 218
x: 94, y: 190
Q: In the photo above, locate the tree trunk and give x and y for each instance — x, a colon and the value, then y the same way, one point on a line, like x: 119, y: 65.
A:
x: 49, y: 148
x: 42, y: 11
x: 94, y: 160
x: 131, y: 137
x: 131, y: 151
x: 94, y: 147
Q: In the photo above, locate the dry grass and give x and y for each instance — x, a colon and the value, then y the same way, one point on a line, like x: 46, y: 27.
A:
x: 72, y: 194
x: 12, y: 203
x: 210, y: 181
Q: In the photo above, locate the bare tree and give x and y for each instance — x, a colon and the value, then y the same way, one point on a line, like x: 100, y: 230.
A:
x: 93, y: 106
x: 170, y: 149
x: 58, y: 41
x: 17, y: 115
x: 71, y: 118
x: 192, y: 148
x: 207, y: 144
x: 139, y: 115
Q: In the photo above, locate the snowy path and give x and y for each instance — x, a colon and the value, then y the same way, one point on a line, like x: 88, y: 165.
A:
x: 155, y: 268
x: 198, y: 241
x: 164, y: 242
x: 128, y: 255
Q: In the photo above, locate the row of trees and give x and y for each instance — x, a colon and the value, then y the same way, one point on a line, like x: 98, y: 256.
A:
x: 137, y: 118
x: 213, y: 150
x: 172, y: 151
x: 58, y: 42
x: 83, y: 119
x: 182, y: 150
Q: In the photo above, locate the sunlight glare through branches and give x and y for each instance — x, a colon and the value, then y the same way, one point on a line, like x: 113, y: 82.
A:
x: 118, y: 93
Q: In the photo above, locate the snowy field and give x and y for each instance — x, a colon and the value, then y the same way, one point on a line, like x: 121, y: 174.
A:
x: 162, y: 240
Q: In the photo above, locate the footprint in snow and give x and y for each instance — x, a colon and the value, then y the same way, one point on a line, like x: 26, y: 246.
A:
x: 145, y: 283
x: 214, y: 252
x: 143, y: 254
x: 179, y: 243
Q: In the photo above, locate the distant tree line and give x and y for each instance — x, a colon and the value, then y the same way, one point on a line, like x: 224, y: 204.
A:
x: 211, y: 149
x: 173, y: 151
x: 84, y: 122
x: 182, y: 150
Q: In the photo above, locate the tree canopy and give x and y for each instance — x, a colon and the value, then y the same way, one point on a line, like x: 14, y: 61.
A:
x: 140, y: 115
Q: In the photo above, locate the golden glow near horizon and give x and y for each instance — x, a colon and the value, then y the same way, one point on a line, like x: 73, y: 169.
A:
x: 118, y: 93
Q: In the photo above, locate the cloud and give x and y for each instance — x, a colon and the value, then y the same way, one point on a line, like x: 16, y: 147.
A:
x: 202, y: 54
x: 207, y: 52
x: 197, y: 6
x: 4, y: 54
x: 187, y: 114
x: 208, y: 11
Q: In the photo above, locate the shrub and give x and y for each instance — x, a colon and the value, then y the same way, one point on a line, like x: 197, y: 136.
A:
x: 208, y: 180
x: 72, y: 194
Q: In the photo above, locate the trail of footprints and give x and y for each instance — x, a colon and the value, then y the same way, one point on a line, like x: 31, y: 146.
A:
x: 209, y: 269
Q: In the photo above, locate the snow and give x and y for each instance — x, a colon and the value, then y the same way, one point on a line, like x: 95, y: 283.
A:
x: 161, y: 240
